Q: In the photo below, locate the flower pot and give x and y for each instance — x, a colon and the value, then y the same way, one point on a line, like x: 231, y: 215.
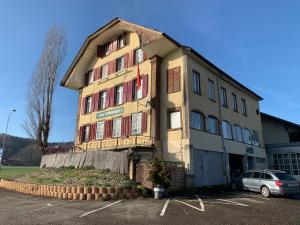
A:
x: 158, y: 193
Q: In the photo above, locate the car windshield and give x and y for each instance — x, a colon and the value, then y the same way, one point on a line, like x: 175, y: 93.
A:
x: 284, y: 176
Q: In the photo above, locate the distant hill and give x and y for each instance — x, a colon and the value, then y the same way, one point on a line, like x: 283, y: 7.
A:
x: 22, y: 151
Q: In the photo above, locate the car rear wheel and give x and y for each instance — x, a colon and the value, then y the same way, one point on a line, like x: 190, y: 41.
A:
x: 234, y: 186
x: 265, y: 191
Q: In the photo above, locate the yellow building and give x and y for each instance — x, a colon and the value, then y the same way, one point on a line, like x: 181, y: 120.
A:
x: 181, y: 108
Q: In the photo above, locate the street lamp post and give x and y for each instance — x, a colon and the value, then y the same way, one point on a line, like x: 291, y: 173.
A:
x: 4, y: 136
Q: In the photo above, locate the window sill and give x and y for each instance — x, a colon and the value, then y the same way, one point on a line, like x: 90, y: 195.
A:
x: 174, y: 129
x: 213, y: 100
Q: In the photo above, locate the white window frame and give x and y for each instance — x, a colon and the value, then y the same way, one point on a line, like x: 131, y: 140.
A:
x: 90, y: 77
x: 119, y: 95
x: 117, y: 123
x: 174, y: 119
x: 138, y: 93
x: 255, y: 138
x: 224, y: 97
x: 120, y: 63
x: 86, y: 133
x: 211, y: 90
x: 196, y: 83
x: 212, y: 125
x: 104, y: 72
x: 226, y: 130
x: 88, y: 104
x: 197, y: 121
x: 100, y: 130
x: 238, y: 133
x: 247, y: 136
x: 244, y: 106
x: 138, y: 56
x: 136, y: 123
x: 103, y: 96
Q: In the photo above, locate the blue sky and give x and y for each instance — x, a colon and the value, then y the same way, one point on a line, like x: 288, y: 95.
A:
x: 257, y: 42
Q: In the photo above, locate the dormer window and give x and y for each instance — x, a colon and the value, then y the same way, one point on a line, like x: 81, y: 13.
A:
x: 121, y: 41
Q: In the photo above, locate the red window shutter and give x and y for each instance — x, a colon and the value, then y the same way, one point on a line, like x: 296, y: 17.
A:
x: 124, y: 92
x: 115, y: 45
x: 83, y: 104
x: 114, y: 66
x: 80, y: 137
x: 170, y: 80
x: 109, y: 68
x: 144, y: 56
x: 95, y: 74
x: 90, y: 132
x: 99, y: 51
x: 110, y: 47
x: 112, y: 96
x: 176, y: 77
x: 129, y: 90
x: 95, y: 129
x: 144, y: 122
x: 145, y: 86
x: 126, y: 57
x: 108, y: 129
x: 123, y: 126
x: 107, y: 98
x: 131, y: 58
x: 128, y: 125
x: 96, y: 102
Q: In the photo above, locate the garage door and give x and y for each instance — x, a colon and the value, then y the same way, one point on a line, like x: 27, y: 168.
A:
x: 208, y: 168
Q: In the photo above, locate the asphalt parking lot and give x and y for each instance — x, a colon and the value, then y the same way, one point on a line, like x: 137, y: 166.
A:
x: 209, y: 208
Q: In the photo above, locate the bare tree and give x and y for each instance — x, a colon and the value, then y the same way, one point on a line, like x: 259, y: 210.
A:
x: 39, y: 108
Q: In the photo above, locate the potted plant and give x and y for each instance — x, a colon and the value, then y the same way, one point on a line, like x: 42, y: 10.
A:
x: 160, y: 177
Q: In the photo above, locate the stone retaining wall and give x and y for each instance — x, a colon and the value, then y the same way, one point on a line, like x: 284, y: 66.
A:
x: 74, y: 192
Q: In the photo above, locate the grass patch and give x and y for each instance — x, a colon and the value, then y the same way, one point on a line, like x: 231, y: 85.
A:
x: 11, y: 172
x: 76, y: 177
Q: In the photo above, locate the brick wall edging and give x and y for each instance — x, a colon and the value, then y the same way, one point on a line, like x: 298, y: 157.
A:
x: 67, y: 192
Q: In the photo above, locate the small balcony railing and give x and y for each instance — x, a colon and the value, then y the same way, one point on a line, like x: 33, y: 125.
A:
x: 117, y: 143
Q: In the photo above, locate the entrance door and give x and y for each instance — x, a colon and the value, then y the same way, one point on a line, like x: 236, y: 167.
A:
x: 235, y: 165
x: 198, y: 168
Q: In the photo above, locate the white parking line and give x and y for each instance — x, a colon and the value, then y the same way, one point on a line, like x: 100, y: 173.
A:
x: 96, y: 210
x: 50, y: 205
x: 235, y: 203
x: 248, y: 200
x: 201, y: 203
x: 188, y: 205
x: 254, y: 196
x: 164, y: 208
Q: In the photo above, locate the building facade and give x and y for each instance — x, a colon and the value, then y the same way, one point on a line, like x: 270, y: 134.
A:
x: 181, y: 108
x: 282, y: 142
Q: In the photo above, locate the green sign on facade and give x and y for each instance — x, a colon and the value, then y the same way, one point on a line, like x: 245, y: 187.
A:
x: 109, y: 113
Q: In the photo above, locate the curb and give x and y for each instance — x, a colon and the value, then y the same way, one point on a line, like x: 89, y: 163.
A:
x: 70, y: 192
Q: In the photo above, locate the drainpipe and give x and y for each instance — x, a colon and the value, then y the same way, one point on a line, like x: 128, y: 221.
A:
x: 226, y: 156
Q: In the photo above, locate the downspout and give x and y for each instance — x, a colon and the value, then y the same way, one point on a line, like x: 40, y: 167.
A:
x: 226, y: 156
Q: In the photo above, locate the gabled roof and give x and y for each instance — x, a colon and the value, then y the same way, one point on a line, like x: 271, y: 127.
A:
x: 146, y: 35
x: 268, y: 116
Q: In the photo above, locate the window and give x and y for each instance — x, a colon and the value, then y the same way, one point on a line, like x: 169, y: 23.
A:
x: 223, y: 97
x: 211, y: 90
x: 174, y: 118
x: 117, y: 127
x: 104, y: 72
x: 89, y: 78
x: 102, y: 99
x: 197, y: 121
x: 213, y: 125
x: 267, y: 176
x: 227, y: 131
x: 136, y: 123
x: 120, y: 63
x: 88, y: 104
x: 247, y: 135
x: 138, y: 56
x: 247, y: 175
x: 244, y: 107
x: 289, y: 163
x: 121, y: 41
x: 260, y: 160
x: 137, y: 93
x: 256, y: 175
x: 234, y: 102
x: 173, y: 80
x: 119, y: 95
x: 237, y: 133
x: 196, y: 83
x: 86, y: 133
x: 255, y: 138
x: 100, y: 130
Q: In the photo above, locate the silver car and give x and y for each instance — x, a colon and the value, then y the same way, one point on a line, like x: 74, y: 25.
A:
x: 268, y: 182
